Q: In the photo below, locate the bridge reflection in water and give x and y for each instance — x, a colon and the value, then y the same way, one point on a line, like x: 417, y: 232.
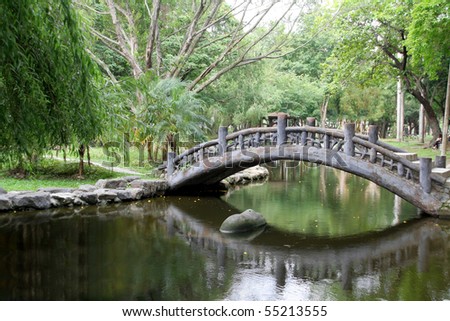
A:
x: 264, y: 258
x: 165, y: 250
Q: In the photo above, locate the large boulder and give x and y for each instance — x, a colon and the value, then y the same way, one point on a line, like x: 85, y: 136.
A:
x: 246, y: 221
x: 116, y: 183
x: 150, y: 187
x: 2, y: 191
x: 35, y: 200
x: 62, y: 199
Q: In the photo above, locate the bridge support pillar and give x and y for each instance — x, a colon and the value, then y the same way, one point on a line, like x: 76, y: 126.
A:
x: 441, y: 161
x: 373, y: 138
x: 222, y: 139
x: 281, y: 129
x: 170, y: 164
x: 425, y: 174
x: 349, y: 133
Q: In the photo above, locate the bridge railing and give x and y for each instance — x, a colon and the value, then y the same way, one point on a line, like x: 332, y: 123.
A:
x: 367, y: 148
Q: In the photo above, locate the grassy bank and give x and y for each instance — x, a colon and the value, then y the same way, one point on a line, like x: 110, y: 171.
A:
x: 413, y: 145
x: 53, y: 173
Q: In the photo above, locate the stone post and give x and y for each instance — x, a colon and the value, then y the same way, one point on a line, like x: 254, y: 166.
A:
x: 241, y: 141
x: 326, y: 141
x: 349, y: 133
x: 425, y: 174
x: 257, y: 139
x: 170, y: 164
x: 373, y: 138
x: 441, y: 161
x: 222, y: 139
x: 281, y: 129
x: 311, y: 121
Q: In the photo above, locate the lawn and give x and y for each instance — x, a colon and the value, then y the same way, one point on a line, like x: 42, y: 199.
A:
x: 54, y: 173
x: 413, y: 145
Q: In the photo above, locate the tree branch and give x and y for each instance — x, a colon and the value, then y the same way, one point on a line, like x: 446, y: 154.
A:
x: 152, y: 34
x: 102, y: 64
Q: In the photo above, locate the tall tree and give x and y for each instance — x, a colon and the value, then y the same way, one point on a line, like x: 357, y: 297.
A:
x: 198, y: 41
x: 47, y: 81
x: 373, y: 43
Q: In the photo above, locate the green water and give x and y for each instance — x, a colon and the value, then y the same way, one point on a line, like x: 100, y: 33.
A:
x: 331, y: 236
x: 319, y: 201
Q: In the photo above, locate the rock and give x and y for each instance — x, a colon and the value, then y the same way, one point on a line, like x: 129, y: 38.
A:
x: 244, y: 222
x: 150, y: 187
x: 116, y: 183
x: 62, y: 199
x: 105, y: 195
x: 248, y: 175
x: 129, y: 194
x: 54, y: 190
x: 5, y: 203
x: 2, y: 191
x: 36, y: 200
x: 87, y: 188
x: 88, y: 197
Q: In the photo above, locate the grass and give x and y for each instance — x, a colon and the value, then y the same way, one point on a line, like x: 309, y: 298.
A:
x: 114, y: 155
x: 53, y: 173
x: 413, y: 145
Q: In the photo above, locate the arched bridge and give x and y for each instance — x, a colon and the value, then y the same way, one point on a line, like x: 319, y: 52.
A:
x: 414, y: 180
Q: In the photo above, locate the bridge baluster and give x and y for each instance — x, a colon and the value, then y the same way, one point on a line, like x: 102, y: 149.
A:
x: 241, y: 142
x: 222, y: 139
x: 170, y: 163
x: 400, y: 169
x: 281, y: 129
x: 257, y: 138
x: 373, y: 138
x: 440, y: 161
x: 326, y: 141
x: 425, y: 174
x: 304, y: 138
x: 311, y: 121
x: 349, y: 133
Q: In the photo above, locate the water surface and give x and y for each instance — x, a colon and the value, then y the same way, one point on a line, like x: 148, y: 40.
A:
x: 331, y: 236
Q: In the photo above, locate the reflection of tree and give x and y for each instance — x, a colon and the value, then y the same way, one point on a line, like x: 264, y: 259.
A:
x: 119, y: 255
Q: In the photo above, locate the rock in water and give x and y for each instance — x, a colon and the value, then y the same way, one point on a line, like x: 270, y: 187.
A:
x: 246, y: 221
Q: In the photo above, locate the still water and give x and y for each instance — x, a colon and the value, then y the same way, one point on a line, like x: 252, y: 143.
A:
x: 331, y: 236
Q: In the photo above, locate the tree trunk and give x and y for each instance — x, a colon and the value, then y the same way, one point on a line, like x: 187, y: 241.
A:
x: 150, y: 150
x: 89, y: 155
x: 81, y: 151
x: 446, y: 115
x: 323, y: 111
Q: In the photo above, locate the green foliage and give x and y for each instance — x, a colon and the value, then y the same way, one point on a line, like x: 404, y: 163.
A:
x: 47, y: 90
x: 156, y: 108
x: 428, y: 39
x: 367, y: 103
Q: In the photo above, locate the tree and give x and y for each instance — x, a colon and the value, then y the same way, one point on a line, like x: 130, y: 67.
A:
x: 196, y: 41
x: 48, y: 96
x: 372, y: 43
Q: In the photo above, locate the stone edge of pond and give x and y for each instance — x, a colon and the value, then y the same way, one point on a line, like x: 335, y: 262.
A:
x: 105, y: 191
x: 129, y: 188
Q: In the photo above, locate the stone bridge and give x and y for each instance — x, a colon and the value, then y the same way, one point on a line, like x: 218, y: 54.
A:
x: 422, y: 182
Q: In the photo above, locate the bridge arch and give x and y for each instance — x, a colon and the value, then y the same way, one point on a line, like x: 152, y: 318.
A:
x: 364, y: 156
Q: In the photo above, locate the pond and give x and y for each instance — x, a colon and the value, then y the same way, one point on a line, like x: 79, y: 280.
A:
x: 330, y: 236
